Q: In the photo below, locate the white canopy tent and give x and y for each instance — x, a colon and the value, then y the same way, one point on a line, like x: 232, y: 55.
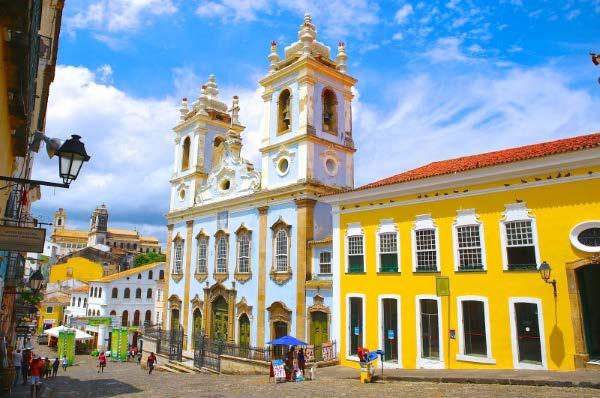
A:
x: 79, y: 335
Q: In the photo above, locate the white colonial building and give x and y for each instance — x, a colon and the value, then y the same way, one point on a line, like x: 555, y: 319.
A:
x: 128, y: 297
x: 244, y: 246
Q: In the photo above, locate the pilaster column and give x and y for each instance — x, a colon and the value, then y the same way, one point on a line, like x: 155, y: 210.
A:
x: 305, y: 210
x: 187, y: 274
x: 262, y: 275
x: 167, y: 275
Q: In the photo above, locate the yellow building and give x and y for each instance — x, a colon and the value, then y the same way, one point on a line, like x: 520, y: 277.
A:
x: 486, y: 222
x: 77, y: 268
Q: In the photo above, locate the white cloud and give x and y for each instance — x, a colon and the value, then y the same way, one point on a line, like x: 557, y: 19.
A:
x: 475, y: 48
x: 457, y: 23
x: 336, y: 17
x: 130, y: 141
x: 515, y: 49
x: 403, y: 13
x: 494, y: 110
x: 117, y: 15
x: 397, y: 36
x: 447, y: 49
x: 368, y: 47
x: 573, y: 14
x: 452, y: 4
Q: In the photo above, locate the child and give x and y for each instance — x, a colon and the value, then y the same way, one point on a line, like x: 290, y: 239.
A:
x: 65, y: 363
x: 55, y: 367
x: 151, y: 362
x: 101, y: 362
x: 47, y: 368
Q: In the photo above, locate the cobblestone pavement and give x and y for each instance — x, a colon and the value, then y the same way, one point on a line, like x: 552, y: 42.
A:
x: 129, y: 380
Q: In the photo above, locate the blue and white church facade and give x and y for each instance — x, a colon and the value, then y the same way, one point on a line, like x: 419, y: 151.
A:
x: 249, y: 251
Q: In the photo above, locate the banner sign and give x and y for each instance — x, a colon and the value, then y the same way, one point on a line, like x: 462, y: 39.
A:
x: 66, y: 345
x: 327, y: 349
x: 309, y: 353
x: 114, y: 344
x: 278, y: 369
x: 442, y: 286
x: 22, y: 239
x: 123, y: 334
x: 99, y: 321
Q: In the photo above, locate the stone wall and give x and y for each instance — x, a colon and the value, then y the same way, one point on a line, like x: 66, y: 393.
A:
x: 235, y: 365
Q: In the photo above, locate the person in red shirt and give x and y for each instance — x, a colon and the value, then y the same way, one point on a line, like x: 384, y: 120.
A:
x: 36, y: 368
x: 151, y: 362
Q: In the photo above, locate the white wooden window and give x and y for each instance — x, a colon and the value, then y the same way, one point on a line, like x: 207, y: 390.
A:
x: 387, y: 247
x: 202, y: 254
x: 281, y: 251
x: 426, y: 255
x: 518, y: 234
x: 468, y: 239
x: 222, y: 255
x: 244, y: 253
x: 325, y: 263
x: 178, y: 263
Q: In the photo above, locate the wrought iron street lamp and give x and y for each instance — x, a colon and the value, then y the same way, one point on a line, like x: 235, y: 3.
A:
x: 545, y: 272
x: 71, y: 156
x: 36, y: 280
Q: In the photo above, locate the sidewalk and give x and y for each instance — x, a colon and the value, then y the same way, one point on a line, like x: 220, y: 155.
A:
x: 578, y: 378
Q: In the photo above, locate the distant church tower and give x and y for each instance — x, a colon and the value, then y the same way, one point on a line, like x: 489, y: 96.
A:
x: 98, y: 226
x: 60, y: 219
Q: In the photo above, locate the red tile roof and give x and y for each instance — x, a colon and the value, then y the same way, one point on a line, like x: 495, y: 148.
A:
x: 488, y: 159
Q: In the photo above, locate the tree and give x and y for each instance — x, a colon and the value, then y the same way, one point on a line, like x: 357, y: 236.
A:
x: 147, y: 258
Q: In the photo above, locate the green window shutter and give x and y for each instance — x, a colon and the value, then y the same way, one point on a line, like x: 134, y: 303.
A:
x: 388, y: 262
x: 356, y: 263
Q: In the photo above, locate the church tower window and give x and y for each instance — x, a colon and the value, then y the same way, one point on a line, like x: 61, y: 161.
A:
x: 218, y: 147
x: 284, y: 112
x: 329, y: 111
x: 185, y: 157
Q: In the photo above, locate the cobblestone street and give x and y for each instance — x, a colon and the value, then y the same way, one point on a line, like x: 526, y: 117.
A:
x: 128, y: 379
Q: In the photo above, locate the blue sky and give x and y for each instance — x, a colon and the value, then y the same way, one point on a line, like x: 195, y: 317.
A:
x: 437, y: 79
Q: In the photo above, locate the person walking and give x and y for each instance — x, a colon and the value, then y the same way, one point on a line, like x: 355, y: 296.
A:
x: 55, y: 366
x: 64, y: 363
x: 36, y: 368
x: 151, y: 362
x: 47, y: 368
x: 17, y: 359
x: 101, y: 362
x: 25, y: 365
x: 301, y: 361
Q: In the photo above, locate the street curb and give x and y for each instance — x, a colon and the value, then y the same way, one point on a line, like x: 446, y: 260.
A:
x: 501, y: 381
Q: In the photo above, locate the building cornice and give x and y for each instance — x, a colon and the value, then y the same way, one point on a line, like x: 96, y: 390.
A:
x: 554, y: 163
x: 307, y: 62
x: 307, y: 137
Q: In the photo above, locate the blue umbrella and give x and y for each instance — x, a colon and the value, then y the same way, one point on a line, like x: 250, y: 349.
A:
x: 287, y: 340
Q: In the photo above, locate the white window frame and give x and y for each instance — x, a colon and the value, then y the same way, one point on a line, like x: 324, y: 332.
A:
x: 178, y: 262
x: 579, y: 228
x: 513, y: 333
x: 202, y: 240
x: 461, y: 356
x: 518, y: 212
x: 320, y: 262
x: 425, y: 221
x: 355, y: 229
x: 287, y: 250
x: 364, y: 329
x: 383, y: 334
x: 387, y: 226
x: 467, y: 218
x: 425, y: 363
x: 239, y: 237
x: 218, y: 254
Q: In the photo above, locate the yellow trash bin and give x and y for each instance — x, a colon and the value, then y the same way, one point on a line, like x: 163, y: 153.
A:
x: 366, y: 372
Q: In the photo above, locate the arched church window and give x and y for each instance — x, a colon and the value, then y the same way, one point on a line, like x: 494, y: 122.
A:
x: 329, y: 111
x: 281, y: 251
x: 115, y: 293
x: 127, y: 293
x: 284, y: 114
x: 185, y: 156
x: 59, y: 222
x: 243, y: 251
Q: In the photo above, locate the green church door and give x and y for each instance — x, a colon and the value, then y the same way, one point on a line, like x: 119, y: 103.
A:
x: 174, y: 319
x: 197, y: 326
x: 318, y: 331
x: 244, y: 330
x: 220, y: 313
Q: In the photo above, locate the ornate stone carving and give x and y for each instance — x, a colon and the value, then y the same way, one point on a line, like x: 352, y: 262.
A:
x: 176, y: 276
x: 279, y: 312
x: 197, y: 303
x: 201, y: 276
x: 318, y: 305
x: 174, y: 302
x: 243, y: 308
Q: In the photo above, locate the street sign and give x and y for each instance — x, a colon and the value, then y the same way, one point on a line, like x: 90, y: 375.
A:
x: 22, y: 239
x: 442, y: 286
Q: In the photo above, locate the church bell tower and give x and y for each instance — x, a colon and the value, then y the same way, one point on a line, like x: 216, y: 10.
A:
x: 98, y: 226
x: 306, y: 130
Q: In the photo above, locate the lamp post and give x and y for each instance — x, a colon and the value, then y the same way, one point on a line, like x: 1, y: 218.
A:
x: 36, y: 280
x: 545, y: 272
x: 71, y: 156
